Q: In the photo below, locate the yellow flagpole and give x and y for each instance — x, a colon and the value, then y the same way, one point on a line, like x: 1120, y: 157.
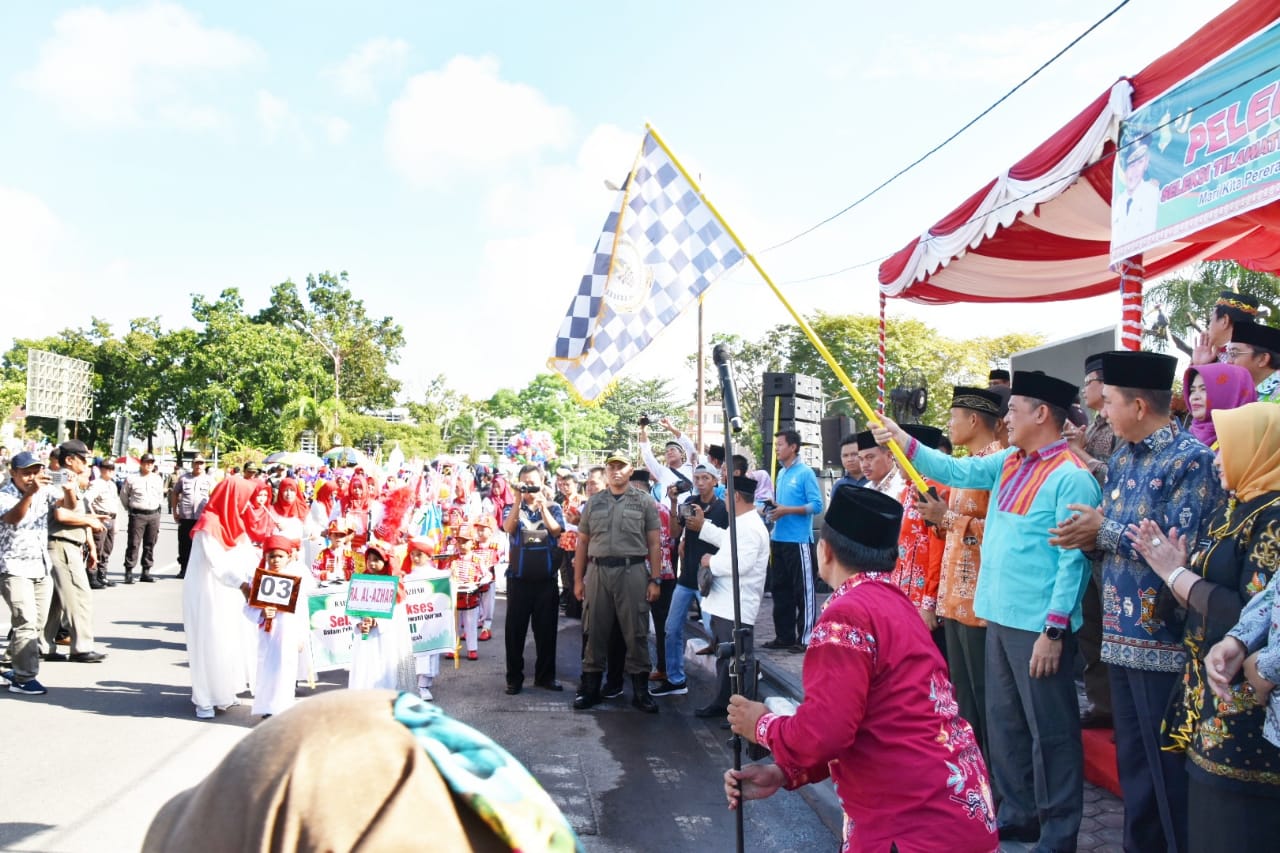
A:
x: 870, y: 413
x: 777, y: 422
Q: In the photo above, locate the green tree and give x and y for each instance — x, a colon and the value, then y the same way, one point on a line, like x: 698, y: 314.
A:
x: 333, y: 320
x: 1187, y: 301
x: 628, y: 400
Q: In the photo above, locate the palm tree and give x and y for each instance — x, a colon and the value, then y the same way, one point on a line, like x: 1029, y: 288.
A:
x: 1185, y: 303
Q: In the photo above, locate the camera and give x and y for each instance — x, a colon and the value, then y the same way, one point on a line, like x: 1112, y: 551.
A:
x: 685, y: 510
x: 683, y: 486
x: 529, y: 489
x: 644, y: 421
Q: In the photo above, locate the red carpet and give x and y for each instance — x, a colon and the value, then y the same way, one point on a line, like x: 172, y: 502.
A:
x: 1100, y: 759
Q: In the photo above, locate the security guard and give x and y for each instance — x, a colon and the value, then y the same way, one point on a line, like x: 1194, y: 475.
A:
x: 619, y: 533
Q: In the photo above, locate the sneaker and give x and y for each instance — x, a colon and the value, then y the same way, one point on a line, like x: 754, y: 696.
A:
x: 204, y: 712
x: 449, y: 655
x: 611, y: 691
x: 424, y: 693
x: 486, y: 634
x: 6, y: 678
x: 666, y: 688
x: 28, y: 688
x: 473, y: 656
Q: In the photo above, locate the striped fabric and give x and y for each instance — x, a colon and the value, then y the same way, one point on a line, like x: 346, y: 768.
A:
x: 1024, y: 473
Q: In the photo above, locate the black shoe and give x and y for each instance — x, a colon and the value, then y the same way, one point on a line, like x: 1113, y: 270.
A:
x: 549, y: 685
x: 640, y: 698
x: 776, y: 646
x: 588, y: 691
x: 797, y: 649
x: 146, y: 578
x: 612, y: 691
x: 513, y: 689
x: 182, y: 574
x: 128, y: 577
x: 1025, y: 834
x: 89, y: 657
x: 94, y: 583
x: 104, y: 580
x: 667, y: 688
x: 55, y: 656
x: 711, y: 711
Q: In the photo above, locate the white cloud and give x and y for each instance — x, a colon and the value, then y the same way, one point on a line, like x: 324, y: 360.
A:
x: 998, y: 56
x: 336, y: 129
x: 274, y: 114
x: 465, y: 118
x: 137, y: 65
x: 31, y: 240
x: 376, y: 60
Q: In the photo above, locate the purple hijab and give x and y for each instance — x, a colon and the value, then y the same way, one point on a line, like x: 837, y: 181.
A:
x: 1226, y: 386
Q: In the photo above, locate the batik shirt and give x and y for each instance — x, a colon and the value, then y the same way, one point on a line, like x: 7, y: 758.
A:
x: 919, y: 553
x: 879, y: 718
x: 1259, y: 630
x: 963, y: 525
x: 1025, y: 582
x: 1167, y: 477
x: 1269, y: 389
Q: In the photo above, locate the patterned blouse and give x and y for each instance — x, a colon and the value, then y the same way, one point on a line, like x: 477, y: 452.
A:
x: 1224, y: 740
x: 1259, y: 630
x: 963, y: 525
x: 1167, y: 477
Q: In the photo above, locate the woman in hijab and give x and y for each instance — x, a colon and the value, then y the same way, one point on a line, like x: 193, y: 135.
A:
x: 1207, y: 388
x: 356, y: 508
x: 289, y: 510
x: 318, y: 518
x: 419, y: 780
x: 1234, y: 771
x: 220, y: 645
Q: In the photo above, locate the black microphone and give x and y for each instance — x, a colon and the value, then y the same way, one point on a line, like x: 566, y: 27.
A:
x: 720, y: 355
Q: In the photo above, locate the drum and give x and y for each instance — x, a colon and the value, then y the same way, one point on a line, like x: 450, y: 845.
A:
x: 468, y: 597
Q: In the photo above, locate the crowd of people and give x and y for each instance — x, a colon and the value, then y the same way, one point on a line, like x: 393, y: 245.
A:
x: 963, y: 583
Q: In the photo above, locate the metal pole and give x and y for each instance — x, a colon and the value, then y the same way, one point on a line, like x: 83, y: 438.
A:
x: 702, y: 388
x: 740, y: 632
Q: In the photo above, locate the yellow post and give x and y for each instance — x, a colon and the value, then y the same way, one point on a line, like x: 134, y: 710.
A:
x: 777, y: 421
x: 870, y: 413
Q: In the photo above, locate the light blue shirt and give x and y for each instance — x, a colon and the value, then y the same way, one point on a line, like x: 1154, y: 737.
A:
x: 1025, y: 582
x: 797, y: 486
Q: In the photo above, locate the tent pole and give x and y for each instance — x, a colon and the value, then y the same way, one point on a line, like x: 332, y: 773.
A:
x: 1132, y: 275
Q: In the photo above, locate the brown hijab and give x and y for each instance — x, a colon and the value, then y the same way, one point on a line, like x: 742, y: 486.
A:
x: 335, y: 772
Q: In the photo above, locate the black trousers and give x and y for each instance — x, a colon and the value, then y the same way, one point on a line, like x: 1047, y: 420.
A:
x: 104, y: 542
x: 144, y: 530
x: 536, y: 602
x: 794, y: 602
x: 1097, y: 684
x: 1154, y: 782
x: 721, y: 632
x: 659, y: 610
x: 185, y: 526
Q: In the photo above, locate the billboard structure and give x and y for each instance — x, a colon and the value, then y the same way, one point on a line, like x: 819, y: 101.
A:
x: 59, y: 387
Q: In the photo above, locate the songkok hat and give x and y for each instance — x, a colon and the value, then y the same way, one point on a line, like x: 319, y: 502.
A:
x: 744, y: 484
x: 1041, y: 386
x: 1131, y: 369
x: 640, y: 475
x: 1256, y: 335
x: 76, y: 447
x: 926, y: 435
x: 865, y: 516
x: 977, y: 399
x: 998, y: 373
x: 276, y: 542
x: 866, y: 440
x: 1242, y: 302
x: 1093, y: 363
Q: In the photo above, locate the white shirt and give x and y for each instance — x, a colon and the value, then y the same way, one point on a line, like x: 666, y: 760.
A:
x: 753, y: 564
x: 661, y: 473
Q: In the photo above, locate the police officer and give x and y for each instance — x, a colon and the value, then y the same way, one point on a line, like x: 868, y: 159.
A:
x: 620, y: 534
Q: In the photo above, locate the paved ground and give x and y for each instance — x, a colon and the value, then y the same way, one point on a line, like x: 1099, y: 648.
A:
x: 111, y: 742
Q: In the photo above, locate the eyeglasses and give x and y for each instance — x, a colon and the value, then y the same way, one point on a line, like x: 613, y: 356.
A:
x: 1237, y: 352
x: 1084, y: 386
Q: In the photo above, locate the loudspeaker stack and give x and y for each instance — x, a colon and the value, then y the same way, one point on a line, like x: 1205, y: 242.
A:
x: 798, y: 399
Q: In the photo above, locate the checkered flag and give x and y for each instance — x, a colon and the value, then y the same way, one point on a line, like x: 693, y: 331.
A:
x: 659, y: 250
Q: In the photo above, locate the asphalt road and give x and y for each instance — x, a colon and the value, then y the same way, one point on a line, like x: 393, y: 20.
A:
x: 112, y: 741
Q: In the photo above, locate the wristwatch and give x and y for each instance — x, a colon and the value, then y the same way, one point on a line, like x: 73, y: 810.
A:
x: 1053, y: 632
x: 658, y: 581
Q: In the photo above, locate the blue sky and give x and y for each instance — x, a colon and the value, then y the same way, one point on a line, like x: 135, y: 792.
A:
x: 451, y: 157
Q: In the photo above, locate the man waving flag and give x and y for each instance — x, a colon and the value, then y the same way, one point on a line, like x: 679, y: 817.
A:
x: 661, y: 247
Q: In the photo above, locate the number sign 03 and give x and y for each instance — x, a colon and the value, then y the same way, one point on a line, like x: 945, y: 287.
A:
x: 271, y: 589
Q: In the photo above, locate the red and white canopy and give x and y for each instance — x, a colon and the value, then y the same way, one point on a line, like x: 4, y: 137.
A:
x: 1041, y: 231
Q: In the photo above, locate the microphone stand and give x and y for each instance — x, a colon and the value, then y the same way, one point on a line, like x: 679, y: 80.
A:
x: 743, y: 667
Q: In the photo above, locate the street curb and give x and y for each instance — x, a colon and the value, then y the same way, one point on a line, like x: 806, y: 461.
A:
x: 821, y: 796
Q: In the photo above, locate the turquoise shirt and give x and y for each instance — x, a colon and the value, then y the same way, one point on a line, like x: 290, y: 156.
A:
x: 1025, y: 582
x: 797, y: 486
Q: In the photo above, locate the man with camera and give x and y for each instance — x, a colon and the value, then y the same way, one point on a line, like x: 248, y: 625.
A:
x: 675, y: 467
x: 703, y: 504
x: 618, y: 533
x: 532, y: 525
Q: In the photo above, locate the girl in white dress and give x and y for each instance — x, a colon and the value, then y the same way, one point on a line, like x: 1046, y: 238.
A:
x: 382, y: 652
x: 282, y: 637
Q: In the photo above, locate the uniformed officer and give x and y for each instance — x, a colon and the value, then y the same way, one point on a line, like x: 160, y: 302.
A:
x: 620, y: 534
